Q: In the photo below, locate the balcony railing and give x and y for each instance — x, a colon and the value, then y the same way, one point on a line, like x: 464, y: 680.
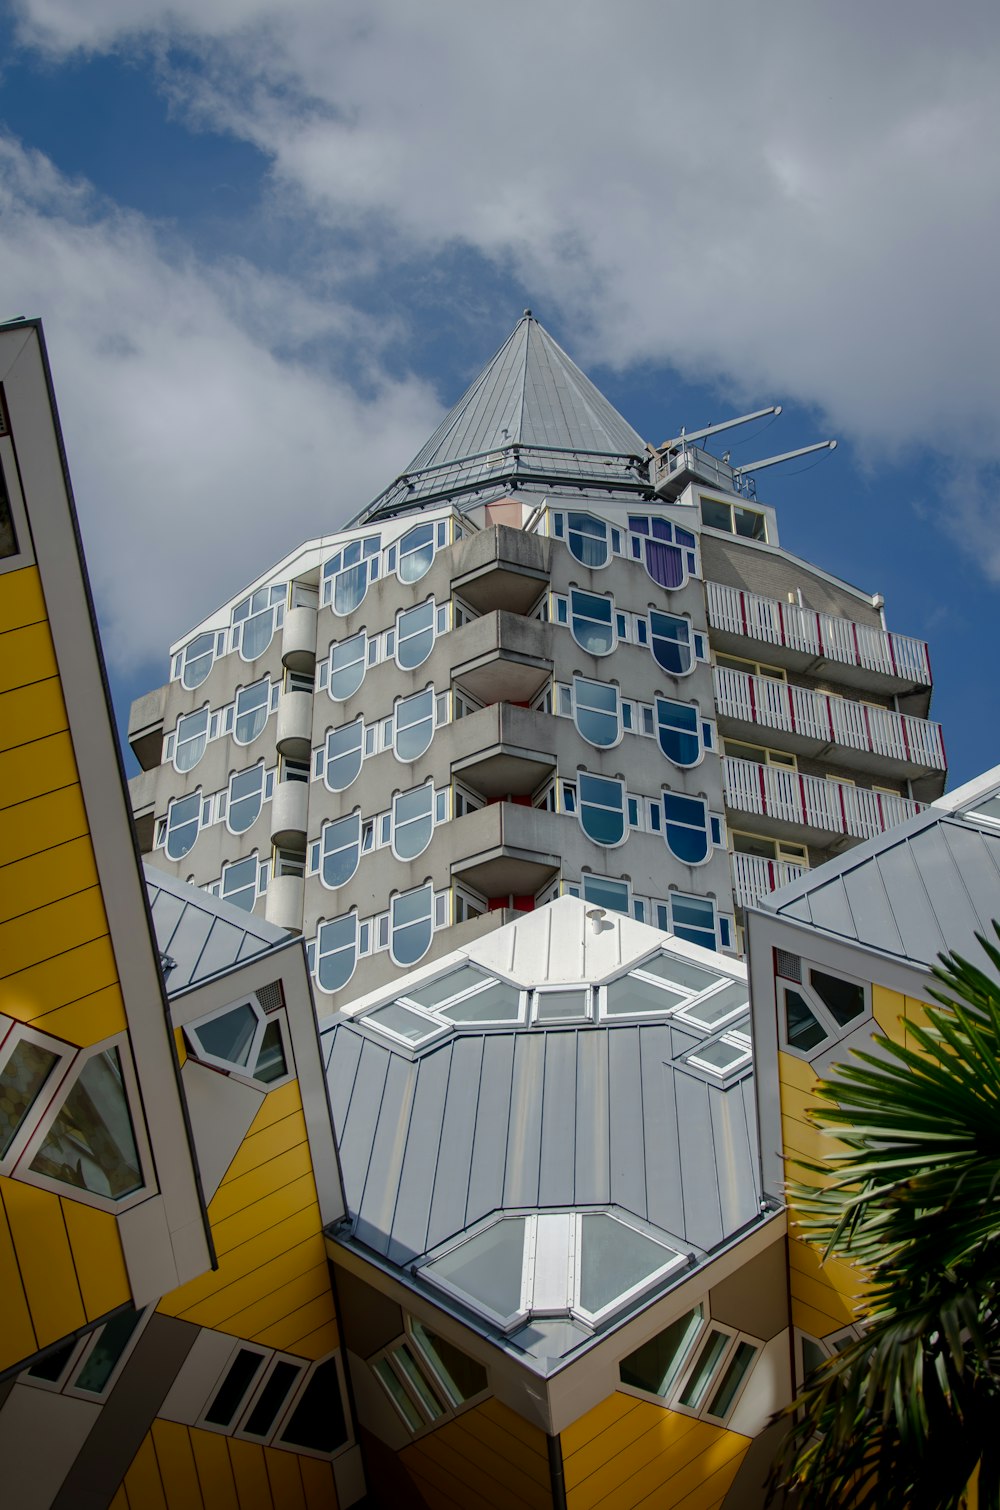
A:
x: 754, y: 877
x: 811, y: 801
x: 821, y: 636
x: 813, y: 717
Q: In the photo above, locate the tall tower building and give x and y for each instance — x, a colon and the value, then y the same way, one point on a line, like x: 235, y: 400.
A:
x: 548, y: 659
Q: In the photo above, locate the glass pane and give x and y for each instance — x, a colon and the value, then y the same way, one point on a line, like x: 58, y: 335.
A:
x: 461, y: 1376
x: 735, y: 1373
x: 272, y: 1397
x: 198, y: 658
x: 192, y: 735
x: 680, y: 971
x: 397, y: 1394
x: 251, y: 712
x: 416, y: 552
x: 256, y: 635
x: 724, y: 1003
x: 341, y: 850
x: 343, y: 756
x: 554, y: 1006
x: 246, y: 792
x: 615, y: 1258
x: 693, y: 918
x: 813, y: 1356
x: 604, y: 893
x: 633, y: 995
x: 182, y: 825
x: 843, y: 998
x: 318, y: 1421
x: 347, y: 667
x: 414, y: 725
x: 671, y: 642
x: 106, y: 1351
x: 271, y: 1063
x: 399, y: 1019
x: 656, y: 1364
x: 21, y: 1080
x: 591, y: 622
x: 349, y: 588
x: 415, y: 636
x: 677, y: 731
x: 588, y: 539
x: 717, y: 516
x: 488, y: 1267
x: 446, y: 986
x: 498, y: 1003
x: 229, y: 1036
x: 801, y: 1027
x: 337, y: 952
x: 697, y: 1386
x: 410, y: 1370
x: 52, y: 1365
x: 749, y: 523
x: 721, y: 1056
x: 91, y: 1145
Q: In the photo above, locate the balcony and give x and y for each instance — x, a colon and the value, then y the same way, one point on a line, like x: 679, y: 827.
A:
x: 817, y: 811
x: 502, y: 751
x: 820, y: 643
x: 864, y: 737
x: 145, y: 728
x: 507, y: 849
x: 754, y: 877
x: 501, y: 567
x: 501, y: 657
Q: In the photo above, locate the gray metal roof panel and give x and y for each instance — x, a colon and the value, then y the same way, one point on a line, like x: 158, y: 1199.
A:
x: 201, y: 934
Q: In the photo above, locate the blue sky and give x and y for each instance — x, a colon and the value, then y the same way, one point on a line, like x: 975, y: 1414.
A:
x: 270, y: 243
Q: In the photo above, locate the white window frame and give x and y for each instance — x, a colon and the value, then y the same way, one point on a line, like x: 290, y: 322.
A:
x: 331, y: 669
x: 355, y: 844
x: 77, y: 1360
x: 824, y: 1017
x: 243, y: 1073
x: 12, y: 1033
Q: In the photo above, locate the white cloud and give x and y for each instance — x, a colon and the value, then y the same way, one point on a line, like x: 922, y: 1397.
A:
x: 197, y: 454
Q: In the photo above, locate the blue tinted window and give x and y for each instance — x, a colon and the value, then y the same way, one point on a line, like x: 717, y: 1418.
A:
x: 686, y: 827
x: 693, y: 918
x: 597, y: 712
x: 601, y: 809
x: 591, y: 622
x: 414, y: 719
x: 415, y: 635
x: 183, y: 820
x: 347, y: 667
x: 588, y: 539
x: 412, y: 821
x: 677, y: 731
x: 605, y: 893
x: 341, y: 850
x: 411, y: 925
x: 671, y: 642
x: 343, y: 755
x: 246, y: 793
x: 336, y: 952
x: 416, y: 552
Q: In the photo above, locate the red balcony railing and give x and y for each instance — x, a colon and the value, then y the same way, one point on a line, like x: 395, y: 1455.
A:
x: 811, y: 801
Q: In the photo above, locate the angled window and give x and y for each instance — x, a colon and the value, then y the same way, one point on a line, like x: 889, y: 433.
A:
x: 336, y: 951
x: 340, y: 850
x: 348, y: 659
x: 416, y: 552
x: 718, y: 1374
x: 670, y: 642
x: 601, y: 808
x: 457, y: 1375
x: 239, y: 883
x: 412, y: 821
x: 597, y: 712
x: 693, y: 918
x: 252, y: 705
x: 234, y: 1386
x: 255, y: 618
x: 686, y: 827
x: 587, y: 538
x: 192, y: 737
x: 487, y: 1270
x: 88, y: 1366
x: 817, y: 1008
x: 183, y: 822
x: 592, y: 622
x: 678, y: 732
x: 27, y: 1066
x: 344, y: 754
x: 318, y: 1421
x: 415, y: 635
x: 414, y: 725
x: 90, y: 1143
x: 241, y: 1039
x: 198, y: 655
x: 655, y: 1366
x: 411, y: 924
x: 246, y: 795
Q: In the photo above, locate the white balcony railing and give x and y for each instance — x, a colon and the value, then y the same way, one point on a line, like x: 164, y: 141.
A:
x: 755, y: 877
x: 822, y: 635
x: 811, y: 801
x: 774, y: 704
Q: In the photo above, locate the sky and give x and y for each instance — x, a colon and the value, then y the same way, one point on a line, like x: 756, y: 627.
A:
x: 272, y: 242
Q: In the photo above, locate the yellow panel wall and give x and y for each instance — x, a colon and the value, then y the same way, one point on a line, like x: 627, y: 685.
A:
x: 272, y: 1285
x: 487, y: 1456
x: 628, y: 1453
x: 184, y: 1468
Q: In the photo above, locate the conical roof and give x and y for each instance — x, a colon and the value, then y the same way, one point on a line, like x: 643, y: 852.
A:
x: 529, y: 394
x: 531, y: 416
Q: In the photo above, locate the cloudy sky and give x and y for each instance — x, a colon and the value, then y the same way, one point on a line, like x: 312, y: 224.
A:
x: 272, y: 241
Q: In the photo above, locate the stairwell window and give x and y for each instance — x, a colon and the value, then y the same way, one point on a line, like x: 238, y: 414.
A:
x: 336, y: 952
x: 597, y: 712
x: 601, y: 808
x: 411, y: 924
x: 340, y: 850
x: 678, y: 732
x: 416, y: 553
x: 182, y: 825
x: 246, y: 796
x: 192, y: 737
x: 592, y: 622
x: 670, y: 643
x: 415, y: 635
x: 253, y: 704
x: 343, y: 755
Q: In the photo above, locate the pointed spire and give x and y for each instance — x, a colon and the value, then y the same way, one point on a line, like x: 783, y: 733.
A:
x: 531, y: 416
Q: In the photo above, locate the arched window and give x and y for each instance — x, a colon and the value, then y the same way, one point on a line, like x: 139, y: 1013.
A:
x: 415, y: 635
x: 246, y: 794
x: 192, y: 736
x: 670, y: 642
x: 347, y: 667
x: 344, y: 751
x: 601, y: 808
x: 592, y: 622
x: 411, y: 923
x: 588, y: 539
x: 198, y: 657
x: 347, y: 574
x: 686, y: 827
x: 412, y: 821
x: 340, y: 850
x: 255, y: 618
x: 251, y: 711
x: 416, y: 552
x: 414, y: 725
x: 667, y: 550
x: 239, y: 883
x: 336, y: 952
x: 183, y: 822
x: 597, y: 712
x: 677, y: 731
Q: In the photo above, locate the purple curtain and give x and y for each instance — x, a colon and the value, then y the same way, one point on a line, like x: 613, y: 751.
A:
x: 664, y: 563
